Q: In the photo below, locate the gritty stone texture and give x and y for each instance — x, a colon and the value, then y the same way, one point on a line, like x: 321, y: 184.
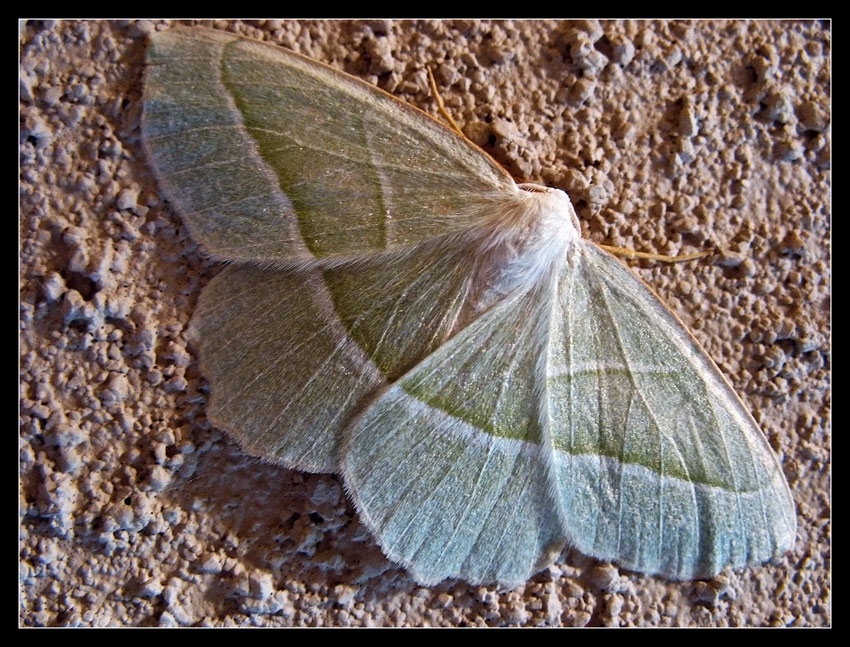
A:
x: 670, y: 137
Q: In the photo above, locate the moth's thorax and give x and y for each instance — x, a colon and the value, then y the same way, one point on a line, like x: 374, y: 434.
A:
x: 550, y: 214
x: 541, y: 227
x: 529, y: 237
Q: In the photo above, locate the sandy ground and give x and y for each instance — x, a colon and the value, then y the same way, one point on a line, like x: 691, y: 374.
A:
x: 669, y: 136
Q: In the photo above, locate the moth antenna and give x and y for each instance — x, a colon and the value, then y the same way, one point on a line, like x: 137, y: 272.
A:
x: 630, y: 253
x: 441, y: 106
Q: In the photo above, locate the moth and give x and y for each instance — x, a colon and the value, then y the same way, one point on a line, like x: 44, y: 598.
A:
x: 395, y: 308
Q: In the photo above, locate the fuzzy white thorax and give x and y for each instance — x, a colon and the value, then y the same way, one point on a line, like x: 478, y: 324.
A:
x: 524, y: 240
x: 553, y: 213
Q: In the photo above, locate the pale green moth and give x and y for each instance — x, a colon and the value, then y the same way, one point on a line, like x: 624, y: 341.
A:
x: 396, y: 309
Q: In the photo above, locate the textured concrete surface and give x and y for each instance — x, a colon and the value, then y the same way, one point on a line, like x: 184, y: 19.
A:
x: 669, y: 136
